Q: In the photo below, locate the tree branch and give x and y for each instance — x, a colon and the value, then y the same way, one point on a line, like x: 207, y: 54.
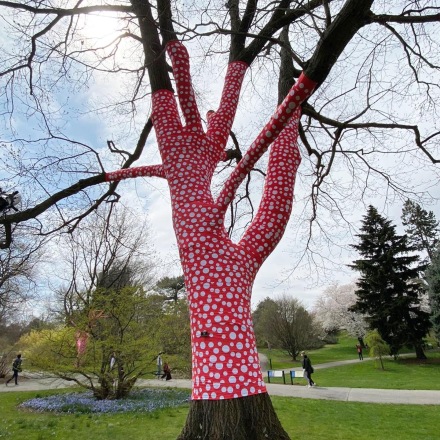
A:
x: 352, y: 17
x: 67, y: 12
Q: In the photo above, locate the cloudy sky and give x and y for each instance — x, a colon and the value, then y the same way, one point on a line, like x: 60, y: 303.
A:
x: 303, y: 264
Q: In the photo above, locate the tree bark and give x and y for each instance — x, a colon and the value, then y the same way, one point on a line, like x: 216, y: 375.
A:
x: 353, y: 16
x: 153, y: 48
x: 420, y: 353
x: 245, y: 418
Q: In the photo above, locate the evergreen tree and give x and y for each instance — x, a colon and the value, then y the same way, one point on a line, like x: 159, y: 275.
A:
x: 388, y: 291
x: 433, y: 279
x: 421, y: 227
x: 171, y: 287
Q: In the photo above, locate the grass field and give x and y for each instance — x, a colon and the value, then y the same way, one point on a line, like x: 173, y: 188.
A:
x: 314, y: 419
x: 344, y: 349
x: 404, y: 373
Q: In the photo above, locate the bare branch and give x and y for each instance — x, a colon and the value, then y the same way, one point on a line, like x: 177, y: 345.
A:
x: 67, y: 12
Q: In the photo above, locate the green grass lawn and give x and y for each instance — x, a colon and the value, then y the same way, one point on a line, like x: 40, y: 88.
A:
x: 314, y: 419
x: 18, y: 423
x: 344, y: 349
x: 405, y: 373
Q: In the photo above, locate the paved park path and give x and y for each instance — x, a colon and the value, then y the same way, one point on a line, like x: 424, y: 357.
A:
x: 411, y: 397
x: 35, y: 382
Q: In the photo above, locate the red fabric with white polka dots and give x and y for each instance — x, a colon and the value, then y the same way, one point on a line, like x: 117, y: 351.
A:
x: 219, y: 274
x: 129, y: 173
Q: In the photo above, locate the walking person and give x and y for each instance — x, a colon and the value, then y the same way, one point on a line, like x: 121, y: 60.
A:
x: 359, y: 350
x: 16, y: 368
x: 166, y: 372
x: 159, y: 365
x: 308, y: 369
x: 112, y: 360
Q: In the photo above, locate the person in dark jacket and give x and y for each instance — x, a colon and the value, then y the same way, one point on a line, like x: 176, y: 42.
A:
x: 308, y: 369
x: 166, y: 372
x: 16, y: 368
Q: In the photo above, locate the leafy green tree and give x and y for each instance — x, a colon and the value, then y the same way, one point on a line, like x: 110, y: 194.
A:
x: 377, y: 346
x: 108, y: 269
x: 51, y: 350
x: 433, y: 278
x: 173, y: 337
x: 115, y: 350
x: 422, y: 227
x: 262, y: 318
x: 387, y: 292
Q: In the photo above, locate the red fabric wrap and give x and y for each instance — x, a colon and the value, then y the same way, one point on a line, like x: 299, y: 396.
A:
x: 297, y: 94
x: 219, y: 274
x: 129, y: 173
x: 81, y: 342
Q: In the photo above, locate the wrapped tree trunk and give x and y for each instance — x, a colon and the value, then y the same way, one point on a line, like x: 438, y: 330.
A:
x: 229, y: 398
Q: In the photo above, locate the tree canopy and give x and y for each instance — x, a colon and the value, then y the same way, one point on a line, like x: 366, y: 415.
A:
x: 284, y: 323
x: 421, y: 227
x: 95, y: 64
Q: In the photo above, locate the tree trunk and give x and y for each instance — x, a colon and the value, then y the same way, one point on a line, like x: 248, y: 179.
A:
x: 420, y: 353
x: 381, y: 362
x: 245, y: 418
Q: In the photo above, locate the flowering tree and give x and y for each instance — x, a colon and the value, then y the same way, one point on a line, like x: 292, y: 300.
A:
x: 333, y: 310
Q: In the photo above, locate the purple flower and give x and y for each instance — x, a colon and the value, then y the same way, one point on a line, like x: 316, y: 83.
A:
x: 145, y: 400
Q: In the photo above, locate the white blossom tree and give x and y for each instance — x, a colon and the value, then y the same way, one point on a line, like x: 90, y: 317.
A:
x: 332, y: 310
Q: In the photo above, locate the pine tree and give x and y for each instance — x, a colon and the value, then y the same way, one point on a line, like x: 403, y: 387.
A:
x: 171, y: 287
x: 433, y: 279
x: 421, y: 227
x: 388, y: 291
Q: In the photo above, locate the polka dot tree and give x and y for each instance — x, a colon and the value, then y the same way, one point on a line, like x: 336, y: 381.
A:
x: 219, y: 273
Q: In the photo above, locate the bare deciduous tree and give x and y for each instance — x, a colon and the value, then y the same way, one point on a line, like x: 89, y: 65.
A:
x: 110, y: 250
x: 18, y: 273
x: 291, y: 326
